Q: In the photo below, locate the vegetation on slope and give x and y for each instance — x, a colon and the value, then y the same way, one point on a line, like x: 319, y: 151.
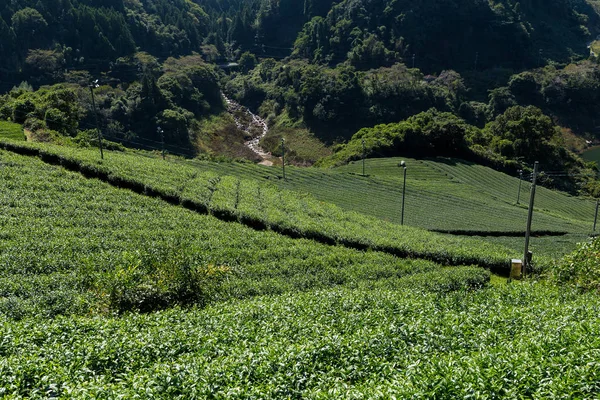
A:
x: 513, y: 141
x: 263, y: 206
x: 71, y: 245
x: 525, y: 340
x: 581, y: 268
x: 368, y: 324
x: 175, y: 96
x: 468, y: 34
x: 11, y: 131
x: 350, y: 67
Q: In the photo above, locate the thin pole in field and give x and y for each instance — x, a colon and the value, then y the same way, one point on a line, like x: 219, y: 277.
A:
x: 94, y: 85
x: 529, y: 218
x: 363, y: 157
x: 162, y: 140
x: 283, y: 156
x: 403, y: 164
x: 520, y: 180
x: 596, y: 215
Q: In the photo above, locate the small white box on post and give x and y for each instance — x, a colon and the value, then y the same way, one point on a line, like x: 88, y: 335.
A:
x: 516, y: 268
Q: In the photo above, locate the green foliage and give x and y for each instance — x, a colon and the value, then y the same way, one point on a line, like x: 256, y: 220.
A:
x: 570, y: 94
x: 282, y: 212
x: 56, y: 106
x: 581, y: 268
x: 75, y: 252
x: 431, y: 133
x: 11, y: 130
x: 515, y: 139
x: 528, y: 132
x: 442, y: 194
x: 335, y: 102
x: 149, y: 282
x: 72, y: 245
x: 367, y: 342
x: 188, y: 90
x: 302, y: 148
x: 247, y: 62
x: 448, y: 35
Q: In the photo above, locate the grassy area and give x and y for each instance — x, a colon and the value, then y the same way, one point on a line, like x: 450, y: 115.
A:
x: 263, y: 206
x: 240, y: 312
x: 301, y: 147
x: 508, y: 341
x: 71, y: 245
x: 441, y: 194
x: 11, y: 131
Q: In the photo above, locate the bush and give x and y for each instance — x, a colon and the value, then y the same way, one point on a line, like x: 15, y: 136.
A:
x: 150, y: 282
x: 580, y: 268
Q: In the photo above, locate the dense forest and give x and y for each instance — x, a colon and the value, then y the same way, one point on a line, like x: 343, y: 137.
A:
x: 320, y: 69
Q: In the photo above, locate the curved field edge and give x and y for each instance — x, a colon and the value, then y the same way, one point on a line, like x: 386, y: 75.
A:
x: 326, y: 223
x: 509, y: 341
x: 76, y: 246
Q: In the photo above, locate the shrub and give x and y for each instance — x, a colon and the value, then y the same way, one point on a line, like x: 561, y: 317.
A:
x: 150, y: 281
x: 580, y: 268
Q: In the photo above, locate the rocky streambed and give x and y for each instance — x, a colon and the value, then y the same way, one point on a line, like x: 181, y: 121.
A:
x: 254, y: 127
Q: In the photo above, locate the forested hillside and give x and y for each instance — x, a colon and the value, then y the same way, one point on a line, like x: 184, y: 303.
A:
x: 432, y: 35
x: 442, y: 34
x: 318, y: 70
x: 40, y: 39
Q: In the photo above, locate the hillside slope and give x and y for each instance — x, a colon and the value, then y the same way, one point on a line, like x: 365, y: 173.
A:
x: 462, y: 35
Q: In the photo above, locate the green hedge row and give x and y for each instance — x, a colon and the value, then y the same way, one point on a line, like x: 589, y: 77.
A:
x: 264, y: 206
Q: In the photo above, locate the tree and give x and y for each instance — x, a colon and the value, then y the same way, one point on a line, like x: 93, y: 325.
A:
x: 175, y: 126
x: 523, y: 132
x: 247, y: 62
x: 29, y: 27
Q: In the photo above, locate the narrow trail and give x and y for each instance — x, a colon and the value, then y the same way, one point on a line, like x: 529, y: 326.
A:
x: 253, y: 126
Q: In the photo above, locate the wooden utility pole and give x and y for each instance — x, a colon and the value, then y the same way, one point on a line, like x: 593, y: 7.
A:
x: 520, y: 180
x: 403, y: 164
x: 526, y: 255
x: 596, y: 215
x: 283, y: 156
x: 94, y: 85
x: 363, y: 156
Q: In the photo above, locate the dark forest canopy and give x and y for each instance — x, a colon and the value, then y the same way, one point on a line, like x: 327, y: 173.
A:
x: 325, y: 67
x: 442, y: 34
x: 90, y: 34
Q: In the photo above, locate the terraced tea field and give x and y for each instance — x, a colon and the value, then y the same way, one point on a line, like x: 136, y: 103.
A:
x: 264, y: 206
x: 71, y: 245
x: 513, y: 341
x: 11, y: 131
x: 444, y: 195
x: 146, y: 291
x: 441, y: 194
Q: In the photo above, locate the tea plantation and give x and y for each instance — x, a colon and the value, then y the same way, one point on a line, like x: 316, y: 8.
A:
x: 132, y: 277
x: 11, y: 131
x: 444, y: 195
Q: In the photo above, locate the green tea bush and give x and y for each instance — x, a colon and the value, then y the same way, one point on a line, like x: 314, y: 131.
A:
x: 71, y: 245
x: 580, y: 268
x: 509, y: 341
x: 282, y: 211
x: 149, y: 282
x: 448, y: 279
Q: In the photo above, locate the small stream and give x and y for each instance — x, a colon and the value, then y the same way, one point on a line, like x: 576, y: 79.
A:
x: 250, y: 125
